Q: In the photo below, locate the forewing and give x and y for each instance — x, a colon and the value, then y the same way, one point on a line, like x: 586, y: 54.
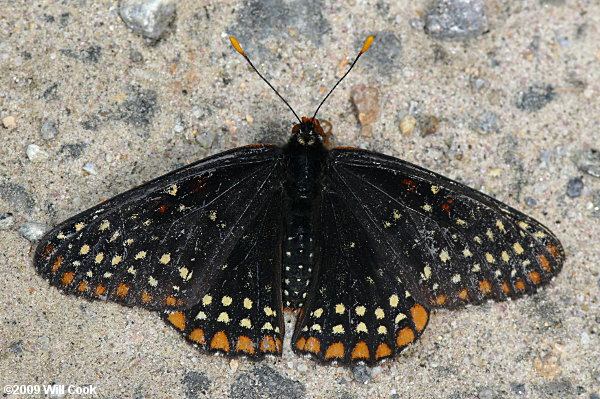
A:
x: 241, y: 312
x: 449, y: 244
x: 354, y: 311
x: 161, y: 244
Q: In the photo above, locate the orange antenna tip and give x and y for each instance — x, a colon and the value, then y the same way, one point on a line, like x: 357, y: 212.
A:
x: 367, y: 43
x: 238, y: 48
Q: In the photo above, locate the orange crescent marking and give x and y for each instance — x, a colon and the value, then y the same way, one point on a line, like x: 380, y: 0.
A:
x: 505, y: 287
x: 545, y: 264
x: 170, y: 301
x: 122, y: 290
x: 197, y: 336
x: 440, y: 299
x: 335, y: 350
x: 244, y: 344
x: 419, y: 316
x: 312, y: 345
x: 268, y: 344
x: 520, y: 285
x: 360, y: 351
x: 100, y: 289
x: 463, y: 294
x: 82, y: 286
x: 67, y: 278
x: 485, y: 287
x: 145, y: 297
x: 57, y: 263
x: 405, y: 337
x: 535, y: 277
x: 220, y: 341
x: 178, y: 320
x: 300, y: 343
x: 383, y: 350
x: 553, y: 249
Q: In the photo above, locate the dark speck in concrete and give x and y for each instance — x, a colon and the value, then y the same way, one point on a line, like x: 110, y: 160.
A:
x: 73, y: 151
x: 588, y: 161
x: 89, y: 55
x: 459, y: 20
x: 385, y: 53
x: 264, y: 382
x: 64, y: 18
x: 530, y: 201
x: 535, y: 98
x: 361, y: 373
x: 518, y: 389
x: 195, y: 383
x: 259, y: 20
x: 16, y: 347
x: 557, y: 389
x: 485, y: 123
x: 91, y: 122
x: 50, y: 92
x: 17, y: 197
x: 139, y: 108
x: 574, y: 187
x: 594, y: 396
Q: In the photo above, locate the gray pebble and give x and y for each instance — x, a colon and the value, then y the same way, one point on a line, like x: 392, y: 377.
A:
x: 48, y: 130
x: 530, y: 201
x: 35, y: 153
x: 91, y: 168
x: 588, y: 161
x: 6, y: 220
x: 361, y: 373
x: 195, y: 384
x: 17, y: 197
x: 459, y: 20
x: 486, y: 393
x: 485, y: 123
x: 574, y: 187
x: 136, y: 56
x: 264, y: 382
x: 535, y: 98
x: 206, y: 138
x: 33, y: 231
x: 148, y: 18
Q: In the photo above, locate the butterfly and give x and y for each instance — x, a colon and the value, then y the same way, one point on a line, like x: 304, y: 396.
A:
x: 362, y: 245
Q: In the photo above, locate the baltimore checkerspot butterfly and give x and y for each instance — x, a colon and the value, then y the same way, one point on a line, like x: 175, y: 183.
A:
x: 361, y: 244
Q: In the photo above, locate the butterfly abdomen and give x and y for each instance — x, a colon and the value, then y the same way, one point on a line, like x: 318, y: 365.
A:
x: 303, y: 185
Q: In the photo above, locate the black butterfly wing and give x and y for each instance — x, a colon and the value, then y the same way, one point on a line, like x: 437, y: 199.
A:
x: 241, y: 312
x: 449, y: 244
x: 160, y: 245
x: 354, y: 311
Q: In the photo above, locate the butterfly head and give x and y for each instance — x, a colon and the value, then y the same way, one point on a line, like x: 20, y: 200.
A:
x: 308, y: 132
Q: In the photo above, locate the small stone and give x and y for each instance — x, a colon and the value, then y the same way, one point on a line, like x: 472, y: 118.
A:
x: 90, y: 167
x: 428, y: 124
x: 407, y: 124
x: 35, y: 153
x: 585, y: 338
x: 206, y: 138
x: 234, y: 364
x: 366, y: 104
x: 148, y: 18
x: 486, y: 394
x: 33, y: 231
x: 302, y: 368
x: 459, y: 20
x: 519, y: 389
x: 48, y: 130
x: 588, y: 161
x: 179, y: 128
x: 9, y: 122
x: 136, y: 56
x: 535, y: 98
x: 530, y: 201
x: 485, y: 123
x: 574, y: 187
x: 361, y: 373
x: 7, y: 219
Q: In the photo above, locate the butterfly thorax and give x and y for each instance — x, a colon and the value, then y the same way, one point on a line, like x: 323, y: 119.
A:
x: 305, y: 156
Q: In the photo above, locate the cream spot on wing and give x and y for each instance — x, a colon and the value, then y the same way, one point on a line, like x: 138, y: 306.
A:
x: 212, y: 215
x: 505, y: 256
x: 79, y: 226
x: 477, y: 239
x: 172, y: 189
x: 444, y: 256
x: 201, y: 316
x: 489, y: 234
x: 379, y: 313
x: 523, y: 225
x: 152, y: 281
x: 400, y: 317
x: 166, y: 258
x: 489, y: 258
x: 206, y: 300
x: 107, y: 275
x: 131, y: 270
x: 476, y: 268
x: 360, y: 310
x: 99, y: 257
x: 104, y: 225
x: 338, y: 329
x: 500, y: 226
x: 426, y: 208
x: 61, y: 236
x: 84, y: 249
x: 467, y: 253
x: 269, y: 311
x: 140, y: 255
x: 116, y: 260
x: 115, y: 235
x: 539, y: 234
x: 223, y: 317
x: 246, y: 323
x: 518, y: 248
x: 318, y: 312
x: 267, y: 326
x: 362, y: 327
x: 247, y: 303
x: 396, y: 214
x: 435, y: 189
x: 340, y: 308
x: 382, y: 330
x: 316, y: 327
x: 456, y: 278
x: 226, y: 300
x: 394, y: 300
x: 427, y: 272
x: 460, y: 222
x: 183, y: 272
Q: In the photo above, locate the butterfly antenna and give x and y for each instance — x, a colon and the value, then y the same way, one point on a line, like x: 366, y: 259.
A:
x: 365, y: 47
x: 238, y: 48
